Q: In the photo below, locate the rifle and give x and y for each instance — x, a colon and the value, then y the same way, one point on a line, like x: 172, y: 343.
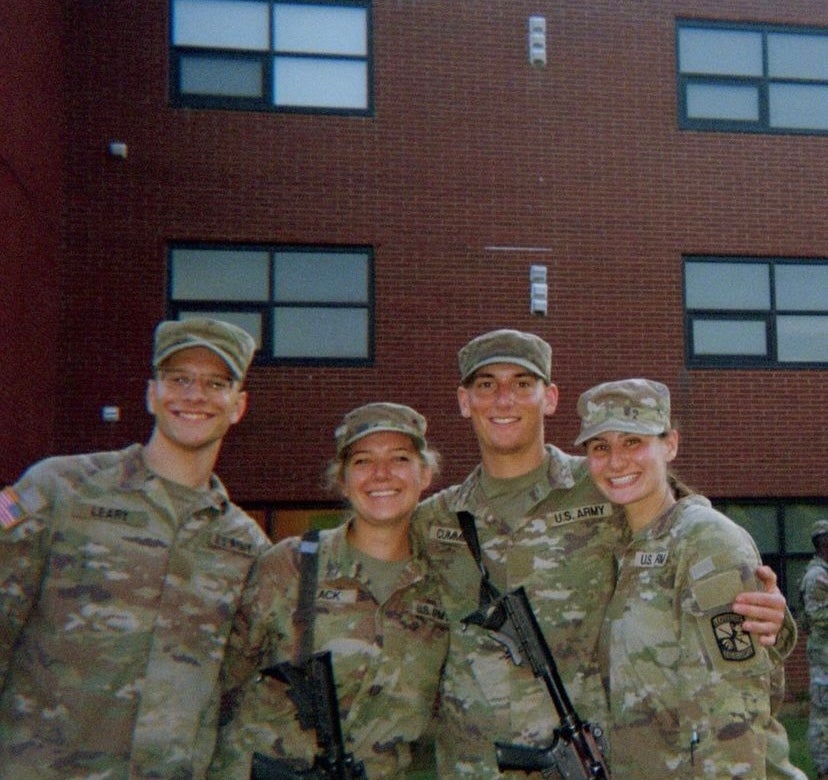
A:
x: 313, y: 691
x: 577, y: 750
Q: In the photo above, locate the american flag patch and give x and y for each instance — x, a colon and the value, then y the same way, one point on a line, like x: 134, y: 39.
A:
x: 11, y: 510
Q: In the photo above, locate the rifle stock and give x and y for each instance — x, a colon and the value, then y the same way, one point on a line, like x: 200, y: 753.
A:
x: 269, y: 768
x: 577, y: 750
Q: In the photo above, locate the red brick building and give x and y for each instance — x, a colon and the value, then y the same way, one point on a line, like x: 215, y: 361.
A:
x: 662, y: 162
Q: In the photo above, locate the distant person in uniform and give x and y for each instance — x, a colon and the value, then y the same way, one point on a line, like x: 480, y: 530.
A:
x: 814, y: 590
x: 688, y: 687
x: 373, y: 604
x: 120, y: 573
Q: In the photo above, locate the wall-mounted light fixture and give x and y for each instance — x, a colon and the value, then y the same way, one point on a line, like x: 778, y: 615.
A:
x: 537, y: 41
x: 111, y: 414
x: 538, y: 290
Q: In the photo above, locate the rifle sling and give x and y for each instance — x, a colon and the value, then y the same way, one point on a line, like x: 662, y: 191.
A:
x: 303, y: 618
x: 488, y: 591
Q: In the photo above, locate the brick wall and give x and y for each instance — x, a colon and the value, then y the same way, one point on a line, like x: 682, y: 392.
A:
x: 796, y: 672
x: 470, y: 150
x: 31, y: 202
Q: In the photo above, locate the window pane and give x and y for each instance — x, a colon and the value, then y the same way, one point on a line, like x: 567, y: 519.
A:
x: 304, y: 81
x: 802, y: 339
x: 794, y: 570
x: 250, y: 321
x: 330, y: 277
x: 729, y: 286
x: 722, y: 101
x: 320, y: 29
x: 802, y: 287
x: 320, y: 333
x: 724, y: 52
x: 799, y: 518
x: 798, y: 56
x: 221, y: 24
x: 758, y: 521
x: 802, y: 106
x: 729, y: 337
x: 294, y: 522
x: 212, y: 274
x: 221, y: 76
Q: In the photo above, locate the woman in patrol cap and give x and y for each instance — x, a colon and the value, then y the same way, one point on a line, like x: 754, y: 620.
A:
x: 374, y: 607
x: 688, y: 687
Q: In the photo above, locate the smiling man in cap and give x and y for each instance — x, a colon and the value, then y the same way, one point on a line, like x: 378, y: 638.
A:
x: 120, y: 573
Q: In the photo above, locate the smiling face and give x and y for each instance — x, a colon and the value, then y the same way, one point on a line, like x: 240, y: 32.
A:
x: 630, y: 469
x: 194, y: 415
x: 383, y: 478
x: 507, y: 405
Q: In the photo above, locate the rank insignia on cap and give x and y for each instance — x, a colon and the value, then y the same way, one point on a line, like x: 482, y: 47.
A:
x: 11, y: 510
x: 735, y: 644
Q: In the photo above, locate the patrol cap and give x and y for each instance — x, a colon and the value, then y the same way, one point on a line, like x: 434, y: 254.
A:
x: 820, y: 527
x: 232, y: 344
x: 377, y: 417
x: 506, y: 346
x: 628, y: 405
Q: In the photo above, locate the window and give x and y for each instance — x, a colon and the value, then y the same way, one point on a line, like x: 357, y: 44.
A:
x: 301, y: 304
x: 754, y: 78
x: 263, y: 55
x: 782, y: 532
x: 756, y: 312
x: 279, y: 523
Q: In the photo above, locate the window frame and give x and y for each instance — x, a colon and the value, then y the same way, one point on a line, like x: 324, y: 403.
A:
x: 762, y: 83
x: 265, y: 307
x: 769, y: 316
x: 265, y: 101
x: 782, y: 560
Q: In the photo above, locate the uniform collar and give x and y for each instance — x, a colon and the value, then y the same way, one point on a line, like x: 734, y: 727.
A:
x: 134, y: 475
x: 661, y: 525
x: 337, y: 556
x: 559, y: 475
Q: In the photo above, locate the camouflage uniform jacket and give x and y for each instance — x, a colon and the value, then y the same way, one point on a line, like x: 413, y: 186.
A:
x: 688, y: 689
x: 557, y: 543
x: 114, y: 615
x: 814, y: 589
x: 386, y: 660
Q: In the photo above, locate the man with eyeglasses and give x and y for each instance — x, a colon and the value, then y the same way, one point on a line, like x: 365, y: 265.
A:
x: 120, y: 573
x: 541, y: 525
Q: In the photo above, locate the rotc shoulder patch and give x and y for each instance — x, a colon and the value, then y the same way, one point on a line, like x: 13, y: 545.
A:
x: 734, y: 643
x: 11, y: 510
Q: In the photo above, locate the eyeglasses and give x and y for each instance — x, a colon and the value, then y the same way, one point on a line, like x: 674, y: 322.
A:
x: 182, y: 381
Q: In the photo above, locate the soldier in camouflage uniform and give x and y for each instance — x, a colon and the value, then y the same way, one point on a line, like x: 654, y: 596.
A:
x: 814, y: 590
x: 688, y: 687
x: 543, y: 525
x: 376, y: 609
x: 120, y: 573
